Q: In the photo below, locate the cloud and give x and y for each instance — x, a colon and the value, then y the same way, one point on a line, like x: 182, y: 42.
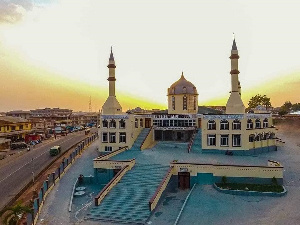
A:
x: 12, y: 11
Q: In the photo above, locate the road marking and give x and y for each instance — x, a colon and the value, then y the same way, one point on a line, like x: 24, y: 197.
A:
x: 30, y: 161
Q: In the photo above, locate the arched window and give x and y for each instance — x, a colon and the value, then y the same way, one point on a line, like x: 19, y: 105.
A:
x: 224, y: 125
x: 195, y: 102
x: 173, y: 102
x: 249, y: 124
x: 266, y: 123
x: 112, y: 124
x: 251, y: 138
x: 211, y: 125
x: 184, y: 90
x: 258, y: 137
x: 184, y: 103
x: 141, y: 123
x: 236, y: 125
x: 173, y: 90
x: 122, y: 124
x: 257, y: 123
x: 104, y: 123
x: 136, y: 123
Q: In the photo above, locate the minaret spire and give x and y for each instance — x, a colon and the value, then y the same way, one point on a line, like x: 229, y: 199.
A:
x: 235, y: 104
x: 111, y: 57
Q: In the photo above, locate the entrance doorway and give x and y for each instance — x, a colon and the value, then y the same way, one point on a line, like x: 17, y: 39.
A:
x: 147, y: 122
x: 183, y: 180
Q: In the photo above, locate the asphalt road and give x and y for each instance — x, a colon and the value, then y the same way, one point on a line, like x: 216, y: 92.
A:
x: 16, y: 174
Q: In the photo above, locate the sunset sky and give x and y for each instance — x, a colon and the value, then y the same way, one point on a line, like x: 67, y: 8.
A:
x: 55, y: 53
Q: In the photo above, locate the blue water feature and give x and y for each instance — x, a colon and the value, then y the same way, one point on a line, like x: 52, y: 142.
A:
x: 197, y: 145
x: 128, y: 201
x: 139, y: 140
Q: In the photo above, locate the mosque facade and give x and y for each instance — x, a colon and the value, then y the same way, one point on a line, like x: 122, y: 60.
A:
x: 234, y: 132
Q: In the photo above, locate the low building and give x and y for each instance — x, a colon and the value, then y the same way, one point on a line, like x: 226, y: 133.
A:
x: 14, y: 128
x: 19, y: 113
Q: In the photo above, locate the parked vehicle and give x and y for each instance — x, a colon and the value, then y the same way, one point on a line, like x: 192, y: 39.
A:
x: 17, y: 145
x: 55, y: 150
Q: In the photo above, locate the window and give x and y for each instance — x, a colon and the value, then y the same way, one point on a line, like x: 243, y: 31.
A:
x: 104, y: 138
x: 112, y: 137
x: 195, y: 102
x: 104, y: 123
x: 224, y: 125
x: 211, y: 125
x: 272, y: 135
x: 211, y: 140
x: 141, y: 123
x: 236, y: 125
x: 122, y: 138
x: 122, y: 124
x: 249, y: 124
x: 108, y: 148
x: 258, y: 137
x: 266, y: 123
x: 224, y: 140
x: 251, y: 138
x: 236, y: 140
x: 257, y: 123
x: 136, y: 123
x: 184, y: 103
x: 173, y: 102
x: 112, y: 124
x: 184, y: 90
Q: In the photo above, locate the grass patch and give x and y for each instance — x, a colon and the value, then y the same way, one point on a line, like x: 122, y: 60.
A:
x: 251, y: 187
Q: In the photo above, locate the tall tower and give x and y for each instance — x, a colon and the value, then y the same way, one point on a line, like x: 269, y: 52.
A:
x: 112, y: 79
x: 111, y: 105
x: 235, y: 104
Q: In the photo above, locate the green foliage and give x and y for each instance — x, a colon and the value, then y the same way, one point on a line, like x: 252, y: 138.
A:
x: 295, y: 107
x: 224, y: 180
x: 13, y: 214
x: 252, y: 187
x: 287, y: 107
x: 259, y: 100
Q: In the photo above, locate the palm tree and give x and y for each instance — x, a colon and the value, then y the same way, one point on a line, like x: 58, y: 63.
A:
x: 14, y: 213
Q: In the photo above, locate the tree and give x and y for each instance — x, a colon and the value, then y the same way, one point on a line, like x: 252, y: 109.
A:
x: 14, y: 213
x: 259, y: 100
x: 295, y: 107
x: 287, y: 105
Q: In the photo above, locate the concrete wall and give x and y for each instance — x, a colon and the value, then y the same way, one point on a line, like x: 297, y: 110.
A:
x: 149, y: 141
x: 210, y: 173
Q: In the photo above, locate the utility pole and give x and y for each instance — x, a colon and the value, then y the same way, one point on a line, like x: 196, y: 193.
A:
x: 90, y: 104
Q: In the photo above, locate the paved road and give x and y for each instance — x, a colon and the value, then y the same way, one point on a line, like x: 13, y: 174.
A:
x: 16, y: 174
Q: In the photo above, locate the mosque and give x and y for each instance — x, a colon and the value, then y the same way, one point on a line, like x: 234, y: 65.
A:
x: 144, y: 156
x: 234, y: 132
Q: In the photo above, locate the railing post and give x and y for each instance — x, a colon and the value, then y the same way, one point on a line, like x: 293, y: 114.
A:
x: 53, y: 177
x: 42, y: 189
x: 59, y: 172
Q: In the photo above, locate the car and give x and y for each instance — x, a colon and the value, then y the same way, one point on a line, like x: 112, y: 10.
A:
x: 55, y: 150
x: 18, y: 145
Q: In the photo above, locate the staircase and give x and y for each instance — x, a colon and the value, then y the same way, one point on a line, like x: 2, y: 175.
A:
x: 139, y: 140
x: 128, y: 201
x: 197, y: 144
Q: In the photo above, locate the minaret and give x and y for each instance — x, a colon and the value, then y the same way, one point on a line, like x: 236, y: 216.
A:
x: 112, y: 79
x: 111, y: 105
x: 235, y: 104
